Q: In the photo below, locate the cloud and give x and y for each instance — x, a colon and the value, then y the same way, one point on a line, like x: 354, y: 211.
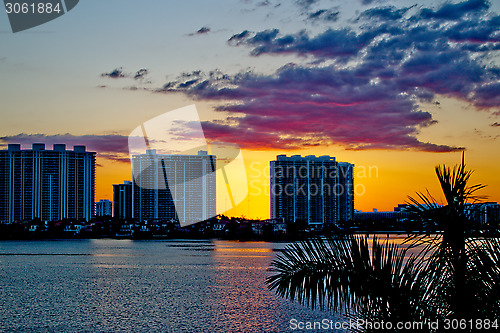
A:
x: 455, y: 11
x: 369, y: 2
x: 110, y: 146
x: 201, y: 31
x: 141, y: 73
x: 361, y: 86
x: 384, y: 13
x: 301, y: 107
x: 324, y: 15
x: 116, y: 73
x: 341, y: 44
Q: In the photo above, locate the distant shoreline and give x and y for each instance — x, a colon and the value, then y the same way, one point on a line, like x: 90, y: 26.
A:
x: 369, y: 234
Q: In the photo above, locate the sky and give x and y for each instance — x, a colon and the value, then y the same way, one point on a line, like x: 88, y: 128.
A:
x: 395, y: 87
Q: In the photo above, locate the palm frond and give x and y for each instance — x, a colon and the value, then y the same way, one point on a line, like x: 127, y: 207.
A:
x: 346, y: 275
x: 483, y: 277
x: 453, y: 275
x: 454, y: 183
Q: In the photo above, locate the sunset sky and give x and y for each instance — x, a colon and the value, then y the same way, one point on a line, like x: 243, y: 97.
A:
x: 395, y: 87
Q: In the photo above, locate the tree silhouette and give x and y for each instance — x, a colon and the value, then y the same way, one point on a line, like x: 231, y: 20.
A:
x: 447, y: 273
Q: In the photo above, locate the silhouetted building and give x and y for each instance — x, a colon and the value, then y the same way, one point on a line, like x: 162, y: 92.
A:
x: 122, y: 200
x: 46, y: 184
x: 103, y: 208
x: 397, y: 215
x: 316, y: 190
x: 400, y: 213
x: 484, y: 212
x: 490, y: 213
x: 180, y: 187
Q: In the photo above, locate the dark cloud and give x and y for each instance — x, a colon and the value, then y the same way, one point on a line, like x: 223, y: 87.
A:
x: 455, y: 11
x: 316, y: 14
x: 201, y: 31
x: 381, y: 26
x: 109, y: 146
x: 324, y: 15
x: 362, y: 86
x: 384, y: 13
x: 117, y: 73
x: 370, y: 2
x: 469, y: 31
x: 141, y: 73
x: 241, y: 36
x: 339, y: 44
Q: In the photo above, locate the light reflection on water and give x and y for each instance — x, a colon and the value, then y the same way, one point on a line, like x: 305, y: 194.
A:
x: 401, y: 240
x: 142, y: 286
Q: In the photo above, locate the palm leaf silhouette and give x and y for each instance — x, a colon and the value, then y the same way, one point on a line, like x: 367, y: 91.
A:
x: 348, y: 276
x: 455, y: 274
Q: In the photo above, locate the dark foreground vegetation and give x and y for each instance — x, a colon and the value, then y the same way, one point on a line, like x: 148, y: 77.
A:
x: 450, y: 280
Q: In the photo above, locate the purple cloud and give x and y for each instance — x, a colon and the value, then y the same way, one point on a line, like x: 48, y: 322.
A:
x: 110, y: 146
x: 362, y: 87
x: 302, y: 107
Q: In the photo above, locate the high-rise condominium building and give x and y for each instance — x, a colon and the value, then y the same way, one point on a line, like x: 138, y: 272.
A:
x: 46, y: 184
x: 103, y: 208
x: 316, y: 190
x: 122, y: 200
x: 181, y: 187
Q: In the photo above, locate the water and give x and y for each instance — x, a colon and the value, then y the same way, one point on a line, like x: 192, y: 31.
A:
x: 142, y: 286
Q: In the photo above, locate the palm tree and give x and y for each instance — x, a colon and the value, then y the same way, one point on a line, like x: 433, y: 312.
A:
x: 454, y: 275
x: 461, y: 268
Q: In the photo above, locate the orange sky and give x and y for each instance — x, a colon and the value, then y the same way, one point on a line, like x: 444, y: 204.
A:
x: 327, y: 67
x: 383, y: 178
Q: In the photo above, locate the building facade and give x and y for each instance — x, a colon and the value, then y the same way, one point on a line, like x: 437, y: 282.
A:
x: 122, y: 200
x: 316, y: 190
x: 103, y: 208
x: 45, y: 184
x: 179, y: 187
x: 483, y: 213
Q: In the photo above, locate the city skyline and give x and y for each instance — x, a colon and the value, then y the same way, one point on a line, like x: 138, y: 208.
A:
x: 395, y: 88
